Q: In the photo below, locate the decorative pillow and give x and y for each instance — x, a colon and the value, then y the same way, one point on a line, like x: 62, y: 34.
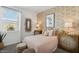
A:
x: 56, y: 32
x: 46, y: 33
x: 50, y: 32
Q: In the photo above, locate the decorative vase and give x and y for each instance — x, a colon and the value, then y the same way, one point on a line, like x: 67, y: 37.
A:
x: 1, y: 45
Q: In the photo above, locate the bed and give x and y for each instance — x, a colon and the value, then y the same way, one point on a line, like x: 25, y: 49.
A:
x: 41, y: 43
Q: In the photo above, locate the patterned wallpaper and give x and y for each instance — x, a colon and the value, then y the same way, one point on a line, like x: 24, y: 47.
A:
x: 62, y: 14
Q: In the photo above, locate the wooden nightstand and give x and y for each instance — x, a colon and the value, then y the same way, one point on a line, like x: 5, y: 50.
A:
x: 37, y: 32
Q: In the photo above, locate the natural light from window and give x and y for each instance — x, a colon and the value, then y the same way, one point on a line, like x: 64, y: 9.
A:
x: 9, y: 19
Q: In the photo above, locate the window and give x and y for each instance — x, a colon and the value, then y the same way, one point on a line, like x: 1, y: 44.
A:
x: 9, y: 19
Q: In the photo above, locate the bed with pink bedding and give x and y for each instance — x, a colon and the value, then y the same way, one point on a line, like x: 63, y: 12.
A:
x: 42, y: 44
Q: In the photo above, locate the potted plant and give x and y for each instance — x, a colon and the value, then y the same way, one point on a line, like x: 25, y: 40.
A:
x: 10, y: 28
x: 2, y: 36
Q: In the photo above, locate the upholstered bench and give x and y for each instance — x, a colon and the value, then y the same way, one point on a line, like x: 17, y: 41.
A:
x: 29, y: 50
x: 20, y: 47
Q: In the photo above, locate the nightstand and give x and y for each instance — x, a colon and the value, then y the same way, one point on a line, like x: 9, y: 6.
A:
x: 37, y: 32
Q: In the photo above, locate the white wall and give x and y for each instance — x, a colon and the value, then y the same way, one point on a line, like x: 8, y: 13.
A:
x: 33, y: 17
x: 17, y: 36
x: 11, y: 38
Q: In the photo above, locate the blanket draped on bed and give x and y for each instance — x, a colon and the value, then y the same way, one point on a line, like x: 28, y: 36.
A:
x: 42, y: 44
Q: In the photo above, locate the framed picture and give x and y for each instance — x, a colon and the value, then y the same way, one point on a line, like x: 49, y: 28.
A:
x: 50, y: 21
x: 28, y: 25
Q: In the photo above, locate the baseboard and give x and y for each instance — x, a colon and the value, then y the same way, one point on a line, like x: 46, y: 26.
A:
x: 11, y: 43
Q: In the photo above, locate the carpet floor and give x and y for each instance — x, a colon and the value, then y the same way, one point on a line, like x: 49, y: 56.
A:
x: 12, y: 49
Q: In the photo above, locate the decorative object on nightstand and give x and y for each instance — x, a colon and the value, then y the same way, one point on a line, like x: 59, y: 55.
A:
x: 68, y: 27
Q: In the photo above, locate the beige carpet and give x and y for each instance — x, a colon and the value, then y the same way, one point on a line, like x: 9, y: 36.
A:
x: 12, y: 49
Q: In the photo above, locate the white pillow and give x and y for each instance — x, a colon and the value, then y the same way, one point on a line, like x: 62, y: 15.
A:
x: 46, y: 33
x: 50, y: 32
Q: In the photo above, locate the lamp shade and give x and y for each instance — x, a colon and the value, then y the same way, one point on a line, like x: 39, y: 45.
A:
x: 37, y: 25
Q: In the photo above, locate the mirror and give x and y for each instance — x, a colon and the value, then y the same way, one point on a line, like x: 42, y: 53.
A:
x: 28, y: 25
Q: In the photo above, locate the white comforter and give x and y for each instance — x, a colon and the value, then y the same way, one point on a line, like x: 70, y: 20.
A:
x: 42, y: 44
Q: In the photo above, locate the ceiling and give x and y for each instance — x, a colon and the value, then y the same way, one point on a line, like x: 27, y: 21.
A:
x: 36, y: 9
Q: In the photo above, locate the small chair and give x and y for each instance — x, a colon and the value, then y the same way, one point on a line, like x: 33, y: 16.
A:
x: 20, y: 47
